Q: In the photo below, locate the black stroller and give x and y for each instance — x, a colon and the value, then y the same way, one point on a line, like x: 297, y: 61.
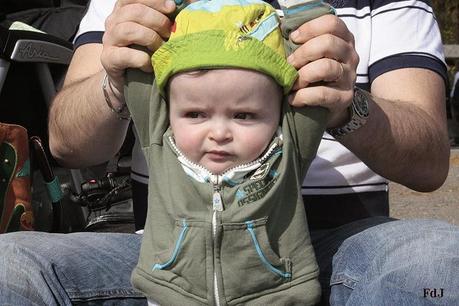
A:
x: 35, y: 49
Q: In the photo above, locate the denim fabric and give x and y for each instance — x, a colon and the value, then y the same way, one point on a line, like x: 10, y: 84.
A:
x: 56, y: 269
x: 379, y: 263
x: 409, y: 262
x: 326, y: 243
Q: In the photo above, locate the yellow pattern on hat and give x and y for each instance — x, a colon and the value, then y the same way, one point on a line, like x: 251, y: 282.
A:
x: 211, y: 34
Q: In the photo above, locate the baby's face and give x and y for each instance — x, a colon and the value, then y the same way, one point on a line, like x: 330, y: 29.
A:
x: 225, y: 117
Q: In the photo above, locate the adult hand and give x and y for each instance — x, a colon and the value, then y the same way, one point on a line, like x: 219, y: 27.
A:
x: 79, y: 112
x: 134, y: 22
x: 327, y: 63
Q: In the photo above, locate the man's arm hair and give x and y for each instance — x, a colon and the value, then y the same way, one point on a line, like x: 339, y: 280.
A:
x: 83, y: 131
x: 406, y: 137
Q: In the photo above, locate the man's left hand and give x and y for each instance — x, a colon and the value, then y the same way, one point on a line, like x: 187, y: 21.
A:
x: 327, y: 63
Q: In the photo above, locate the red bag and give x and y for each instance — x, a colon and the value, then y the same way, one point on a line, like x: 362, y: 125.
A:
x: 15, y: 190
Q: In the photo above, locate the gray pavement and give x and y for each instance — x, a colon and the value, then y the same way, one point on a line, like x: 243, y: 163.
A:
x: 442, y: 204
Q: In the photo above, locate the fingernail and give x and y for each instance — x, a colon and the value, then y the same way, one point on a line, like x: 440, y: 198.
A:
x: 170, y: 5
x: 294, y: 35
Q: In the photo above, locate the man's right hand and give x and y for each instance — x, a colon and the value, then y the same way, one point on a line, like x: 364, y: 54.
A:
x: 134, y: 22
x: 83, y: 130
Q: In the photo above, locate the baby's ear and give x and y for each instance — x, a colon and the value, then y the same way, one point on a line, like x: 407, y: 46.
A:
x: 167, y: 89
x: 280, y: 92
x: 168, y: 107
x: 280, y: 89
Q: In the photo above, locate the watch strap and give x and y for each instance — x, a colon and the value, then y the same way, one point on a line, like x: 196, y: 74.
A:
x: 358, y: 114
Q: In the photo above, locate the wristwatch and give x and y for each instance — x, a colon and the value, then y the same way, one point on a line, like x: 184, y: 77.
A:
x: 358, y: 114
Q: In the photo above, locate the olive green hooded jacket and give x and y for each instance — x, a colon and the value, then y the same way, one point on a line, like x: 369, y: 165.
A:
x: 238, y: 238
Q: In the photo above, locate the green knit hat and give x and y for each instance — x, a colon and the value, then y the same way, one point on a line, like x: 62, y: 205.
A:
x: 212, y: 34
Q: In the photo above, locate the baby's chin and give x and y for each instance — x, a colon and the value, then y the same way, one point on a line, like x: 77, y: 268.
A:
x: 219, y: 168
x: 215, y: 169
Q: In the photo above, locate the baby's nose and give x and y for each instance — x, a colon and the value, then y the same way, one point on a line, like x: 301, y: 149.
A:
x: 220, y: 132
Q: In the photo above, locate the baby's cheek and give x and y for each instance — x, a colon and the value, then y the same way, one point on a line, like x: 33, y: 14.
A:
x: 188, y: 144
x: 254, y: 145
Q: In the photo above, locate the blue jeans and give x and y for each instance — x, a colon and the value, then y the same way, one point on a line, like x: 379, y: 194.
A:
x: 398, y: 263
x: 38, y: 268
x: 375, y: 261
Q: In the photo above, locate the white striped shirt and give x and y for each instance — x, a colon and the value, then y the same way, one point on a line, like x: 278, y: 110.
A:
x: 389, y: 35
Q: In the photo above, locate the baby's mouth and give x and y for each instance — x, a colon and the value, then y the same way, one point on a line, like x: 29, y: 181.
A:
x: 216, y: 155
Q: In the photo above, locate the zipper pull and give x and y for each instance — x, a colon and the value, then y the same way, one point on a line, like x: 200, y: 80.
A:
x: 217, y: 201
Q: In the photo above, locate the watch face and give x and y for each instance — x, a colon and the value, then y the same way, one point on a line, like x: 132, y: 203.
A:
x: 359, y: 115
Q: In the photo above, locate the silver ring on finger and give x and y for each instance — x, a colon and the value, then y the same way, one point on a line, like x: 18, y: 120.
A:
x: 341, y: 73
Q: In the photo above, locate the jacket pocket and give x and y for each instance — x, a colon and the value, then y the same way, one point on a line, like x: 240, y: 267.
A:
x: 249, y: 265
x: 183, y: 264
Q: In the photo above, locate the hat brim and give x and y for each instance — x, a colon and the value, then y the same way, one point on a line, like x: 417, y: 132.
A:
x: 208, y: 50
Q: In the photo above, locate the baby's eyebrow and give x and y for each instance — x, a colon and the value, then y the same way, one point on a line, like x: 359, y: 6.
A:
x: 191, y: 105
x: 246, y: 109
x: 188, y: 100
x: 247, y: 103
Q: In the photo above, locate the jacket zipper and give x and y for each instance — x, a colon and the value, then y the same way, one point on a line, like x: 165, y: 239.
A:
x: 217, y: 206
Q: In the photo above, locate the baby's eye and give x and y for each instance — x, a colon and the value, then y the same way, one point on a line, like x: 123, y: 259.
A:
x: 244, y: 116
x: 194, y: 115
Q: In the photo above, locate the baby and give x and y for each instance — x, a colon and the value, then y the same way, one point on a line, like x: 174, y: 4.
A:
x: 227, y: 154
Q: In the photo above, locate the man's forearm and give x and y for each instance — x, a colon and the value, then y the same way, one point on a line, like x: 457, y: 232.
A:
x: 83, y: 130
x: 405, y: 142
